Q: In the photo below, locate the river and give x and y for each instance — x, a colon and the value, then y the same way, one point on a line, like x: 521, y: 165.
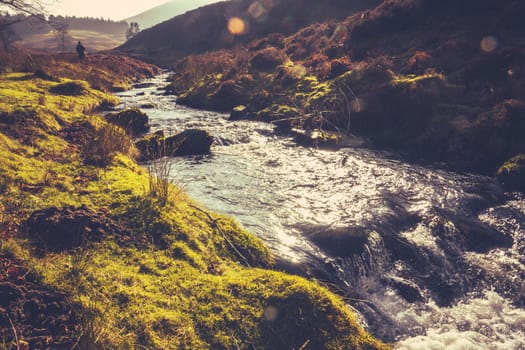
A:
x: 429, y: 259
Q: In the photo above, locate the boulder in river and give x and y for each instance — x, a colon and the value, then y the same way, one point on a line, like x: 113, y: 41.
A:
x: 407, y: 289
x: 188, y: 142
x: 132, y: 120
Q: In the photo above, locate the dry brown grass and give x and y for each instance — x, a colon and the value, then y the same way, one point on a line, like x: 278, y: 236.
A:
x: 106, y: 143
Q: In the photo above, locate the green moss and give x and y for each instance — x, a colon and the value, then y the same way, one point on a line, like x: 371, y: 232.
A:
x: 177, y: 306
x: 180, y: 278
x: 514, y: 164
x: 278, y: 112
x: 413, y: 78
x: 512, y: 172
x: 240, y: 108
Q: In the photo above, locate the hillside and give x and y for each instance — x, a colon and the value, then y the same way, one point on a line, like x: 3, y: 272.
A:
x: 93, y: 255
x: 165, y: 11
x: 439, y: 81
x: 206, y: 29
x: 97, y: 34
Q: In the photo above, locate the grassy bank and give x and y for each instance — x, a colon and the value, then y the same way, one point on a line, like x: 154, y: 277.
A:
x: 94, y: 256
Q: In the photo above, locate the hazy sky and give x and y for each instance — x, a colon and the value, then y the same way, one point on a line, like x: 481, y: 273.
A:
x: 114, y: 9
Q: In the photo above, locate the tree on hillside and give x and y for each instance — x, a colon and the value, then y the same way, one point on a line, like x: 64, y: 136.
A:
x: 7, y: 34
x: 133, y: 30
x: 61, y: 30
x: 31, y: 9
x: 27, y: 7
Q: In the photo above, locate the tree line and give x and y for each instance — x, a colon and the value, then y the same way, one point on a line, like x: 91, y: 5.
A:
x: 22, y: 18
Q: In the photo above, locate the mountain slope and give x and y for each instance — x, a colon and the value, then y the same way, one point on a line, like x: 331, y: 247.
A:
x: 206, y: 28
x: 166, y: 11
x: 440, y: 81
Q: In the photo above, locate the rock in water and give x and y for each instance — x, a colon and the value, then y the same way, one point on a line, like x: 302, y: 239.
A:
x: 188, y: 142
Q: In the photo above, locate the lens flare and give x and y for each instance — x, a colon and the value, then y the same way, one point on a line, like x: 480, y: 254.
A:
x: 489, y: 44
x: 257, y: 11
x: 270, y: 313
x: 357, y: 105
x: 237, y: 26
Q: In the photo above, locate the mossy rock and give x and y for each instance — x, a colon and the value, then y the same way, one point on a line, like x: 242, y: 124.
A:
x: 512, y: 173
x: 278, y: 114
x: 228, y: 95
x: 316, y: 138
x: 150, y: 146
x: 132, y: 120
x: 188, y: 142
x: 242, y: 112
x: 70, y: 88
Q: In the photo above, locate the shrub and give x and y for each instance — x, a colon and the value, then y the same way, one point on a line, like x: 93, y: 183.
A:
x: 70, y: 88
x: 339, y: 66
x: 106, y: 143
x: 160, y: 186
x: 267, y: 59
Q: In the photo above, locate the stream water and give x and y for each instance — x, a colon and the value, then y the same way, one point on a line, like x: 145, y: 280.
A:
x: 429, y: 259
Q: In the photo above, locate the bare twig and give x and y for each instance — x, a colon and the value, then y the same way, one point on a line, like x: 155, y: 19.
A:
x: 304, y: 345
x: 215, y: 224
x: 348, y: 108
x: 14, y: 332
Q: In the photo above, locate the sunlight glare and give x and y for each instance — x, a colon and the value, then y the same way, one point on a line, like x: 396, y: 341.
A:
x: 257, y: 11
x: 237, y: 26
x: 489, y: 44
x: 357, y: 105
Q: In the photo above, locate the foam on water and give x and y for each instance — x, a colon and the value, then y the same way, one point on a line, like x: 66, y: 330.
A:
x: 488, y: 322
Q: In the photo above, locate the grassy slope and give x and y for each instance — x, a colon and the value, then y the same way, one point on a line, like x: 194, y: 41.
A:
x: 441, y: 81
x: 173, y: 281
x: 205, y: 29
x: 95, y: 40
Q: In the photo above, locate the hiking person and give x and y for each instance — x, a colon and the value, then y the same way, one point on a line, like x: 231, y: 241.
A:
x: 80, y: 50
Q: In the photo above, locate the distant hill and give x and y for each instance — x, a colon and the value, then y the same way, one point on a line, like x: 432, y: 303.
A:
x: 206, y: 28
x: 97, y: 34
x: 166, y: 11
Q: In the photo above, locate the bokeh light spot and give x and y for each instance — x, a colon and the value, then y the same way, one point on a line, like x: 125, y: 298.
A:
x: 237, y: 26
x: 489, y: 44
x: 270, y: 313
x: 257, y: 11
x: 357, y: 105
